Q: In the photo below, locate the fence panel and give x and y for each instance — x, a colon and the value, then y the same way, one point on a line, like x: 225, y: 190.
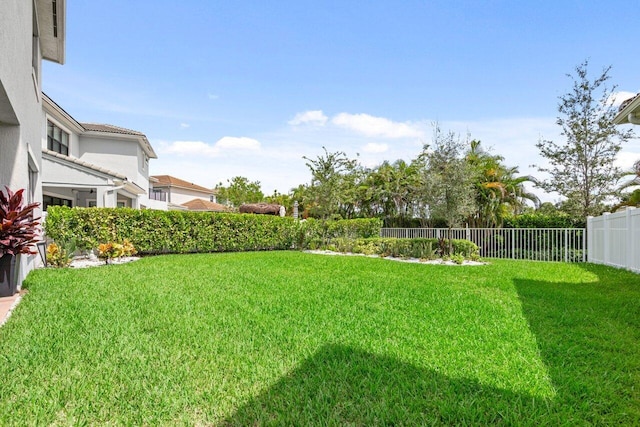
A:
x: 541, y: 244
x: 614, y: 239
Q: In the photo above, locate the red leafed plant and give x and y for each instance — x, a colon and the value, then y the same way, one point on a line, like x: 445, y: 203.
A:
x: 18, y: 227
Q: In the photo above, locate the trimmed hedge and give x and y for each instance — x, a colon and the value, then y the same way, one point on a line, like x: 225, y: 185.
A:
x: 154, y: 232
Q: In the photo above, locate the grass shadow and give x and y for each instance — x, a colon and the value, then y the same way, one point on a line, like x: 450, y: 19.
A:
x: 588, y: 335
x: 341, y: 385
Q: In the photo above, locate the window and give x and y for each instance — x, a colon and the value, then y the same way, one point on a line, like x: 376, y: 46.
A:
x: 33, y: 175
x: 33, y: 182
x: 54, y: 201
x: 144, y: 162
x: 57, y: 139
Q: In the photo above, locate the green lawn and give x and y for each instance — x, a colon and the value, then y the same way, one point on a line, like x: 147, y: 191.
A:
x: 289, y: 338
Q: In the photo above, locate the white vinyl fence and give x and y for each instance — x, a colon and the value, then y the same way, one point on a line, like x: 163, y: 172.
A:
x: 540, y: 244
x: 614, y: 239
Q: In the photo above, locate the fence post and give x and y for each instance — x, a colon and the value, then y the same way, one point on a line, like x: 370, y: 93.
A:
x: 605, y: 228
x: 629, y: 237
x: 584, y: 245
x: 513, y: 242
x: 566, y: 245
x: 589, y: 237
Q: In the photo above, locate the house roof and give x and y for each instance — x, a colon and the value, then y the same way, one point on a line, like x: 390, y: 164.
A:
x: 84, y: 164
x: 98, y: 127
x: 172, y: 181
x: 630, y: 106
x: 204, y: 205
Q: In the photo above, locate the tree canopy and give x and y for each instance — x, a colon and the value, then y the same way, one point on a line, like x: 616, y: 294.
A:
x: 581, y: 168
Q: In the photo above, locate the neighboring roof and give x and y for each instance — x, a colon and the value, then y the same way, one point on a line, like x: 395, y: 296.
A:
x: 174, y: 207
x: 51, y: 18
x: 172, y: 181
x: 204, y: 205
x: 84, y: 164
x: 630, y: 106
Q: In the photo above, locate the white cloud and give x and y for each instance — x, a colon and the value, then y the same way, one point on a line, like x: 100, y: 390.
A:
x: 373, y: 147
x: 185, y: 125
x: 377, y: 126
x: 626, y: 159
x: 314, y: 117
x: 212, y: 96
x: 185, y: 148
x: 237, y: 143
x: 200, y: 148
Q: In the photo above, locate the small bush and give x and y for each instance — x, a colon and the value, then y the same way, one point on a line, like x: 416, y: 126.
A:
x: 57, y: 256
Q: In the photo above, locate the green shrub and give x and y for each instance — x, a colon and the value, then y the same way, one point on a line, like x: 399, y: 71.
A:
x: 314, y: 233
x: 398, y: 248
x: 543, y: 220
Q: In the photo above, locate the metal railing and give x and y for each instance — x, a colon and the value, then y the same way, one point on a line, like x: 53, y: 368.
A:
x: 157, y: 195
x: 539, y: 244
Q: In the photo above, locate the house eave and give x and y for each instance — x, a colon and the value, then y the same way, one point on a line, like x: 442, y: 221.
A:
x: 59, y: 113
x: 632, y: 107
x: 82, y: 165
x: 52, y: 29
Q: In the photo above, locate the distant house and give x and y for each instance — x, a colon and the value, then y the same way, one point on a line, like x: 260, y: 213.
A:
x: 205, y: 205
x: 93, y: 165
x: 181, y: 194
x: 30, y: 31
x: 629, y: 112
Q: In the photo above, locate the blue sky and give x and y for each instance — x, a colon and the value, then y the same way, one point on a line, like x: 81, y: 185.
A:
x: 247, y: 88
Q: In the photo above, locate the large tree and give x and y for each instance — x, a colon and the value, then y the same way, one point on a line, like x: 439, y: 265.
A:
x: 239, y: 190
x: 581, y: 168
x: 333, y: 180
x: 448, y: 181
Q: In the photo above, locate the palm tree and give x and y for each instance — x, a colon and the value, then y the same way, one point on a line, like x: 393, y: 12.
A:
x: 499, y: 191
x: 633, y: 198
x: 635, y: 172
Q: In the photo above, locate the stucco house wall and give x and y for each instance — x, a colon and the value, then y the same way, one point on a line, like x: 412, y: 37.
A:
x: 29, y: 32
x: 113, y: 154
x: 20, y: 102
x: 179, y: 196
